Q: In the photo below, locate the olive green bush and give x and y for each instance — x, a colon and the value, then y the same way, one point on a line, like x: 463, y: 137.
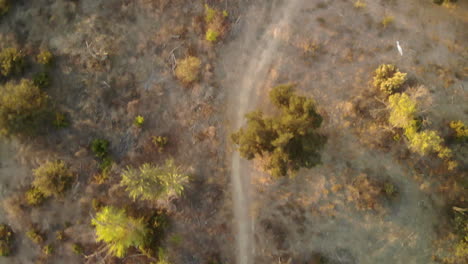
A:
x: 118, y: 230
x: 35, y: 236
x: 78, y: 249
x: 287, y: 141
x: 388, y: 78
x: 52, y: 178
x: 188, y: 69
x: 34, y: 196
x: 23, y: 108
x: 100, y: 148
x: 45, y: 57
x: 460, y: 130
x: 151, y: 183
x: 6, y: 240
x: 11, y: 61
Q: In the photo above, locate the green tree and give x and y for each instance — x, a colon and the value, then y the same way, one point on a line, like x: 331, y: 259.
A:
x: 23, y: 108
x: 52, y: 178
x: 118, y: 230
x: 150, y: 182
x: 6, y: 240
x: 12, y: 61
x: 388, y: 78
x: 287, y: 141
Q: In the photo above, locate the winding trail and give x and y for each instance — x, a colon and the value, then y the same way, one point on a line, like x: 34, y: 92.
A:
x: 255, y: 72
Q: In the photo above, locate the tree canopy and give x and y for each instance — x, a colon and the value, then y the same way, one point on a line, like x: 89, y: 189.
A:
x: 118, y: 230
x: 287, y: 141
x: 23, y: 107
x: 150, y: 182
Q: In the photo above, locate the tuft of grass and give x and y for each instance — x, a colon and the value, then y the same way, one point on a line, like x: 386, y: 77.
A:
x: 61, y: 120
x: 42, y: 80
x: 160, y: 142
x: 360, y: 4
x: 48, y: 250
x: 78, y: 249
x: 45, y: 57
x: 387, y: 21
x: 6, y: 240
x: 35, y: 236
x: 139, y: 121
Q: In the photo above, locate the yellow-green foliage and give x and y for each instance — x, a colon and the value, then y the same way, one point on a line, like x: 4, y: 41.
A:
x: 427, y: 141
x: 403, y: 115
x: 188, y: 69
x: 151, y: 183
x: 35, y: 236
x: 139, y: 121
x: 360, y: 4
x: 52, y: 178
x: 118, y: 230
x: 215, y: 23
x: 388, y: 78
x: 12, y: 62
x: 287, y: 141
x: 34, y: 197
x: 461, y: 131
x: 402, y: 110
x: 48, y: 250
x: 22, y: 105
x: 4, y: 7
x: 387, y: 20
x: 44, y: 57
x: 211, y: 35
x: 160, y: 142
x: 6, y: 240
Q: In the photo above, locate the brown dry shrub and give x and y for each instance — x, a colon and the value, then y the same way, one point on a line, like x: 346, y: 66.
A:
x: 364, y: 192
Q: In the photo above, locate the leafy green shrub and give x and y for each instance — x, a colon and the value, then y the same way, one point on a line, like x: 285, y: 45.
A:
x: 78, y: 249
x: 139, y: 121
x: 52, y: 178
x: 151, y: 182
x: 390, y: 189
x: 388, y: 78
x: 461, y: 131
x: 287, y: 141
x: 215, y: 23
x: 6, y: 240
x: 45, y: 57
x: 23, y: 107
x: 42, y: 80
x: 188, y: 69
x: 12, y: 61
x: 34, y: 196
x: 48, y: 250
x: 160, y: 142
x: 118, y: 230
x: 100, y: 148
x: 35, y: 236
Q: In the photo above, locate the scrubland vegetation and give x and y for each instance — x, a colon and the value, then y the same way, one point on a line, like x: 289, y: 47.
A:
x: 119, y: 117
